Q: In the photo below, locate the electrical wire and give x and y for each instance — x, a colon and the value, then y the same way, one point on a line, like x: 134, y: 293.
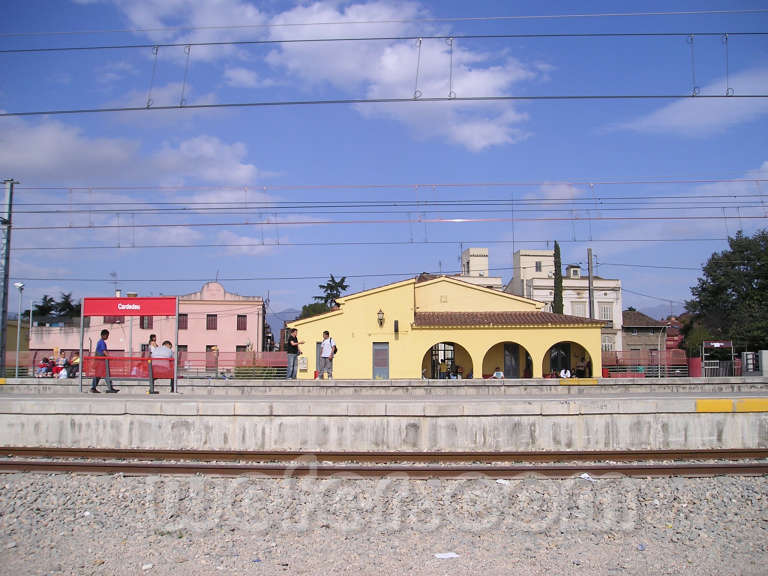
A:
x: 392, y: 21
x: 421, y: 99
x: 392, y: 221
x: 373, y: 39
x: 282, y: 244
x: 410, y: 186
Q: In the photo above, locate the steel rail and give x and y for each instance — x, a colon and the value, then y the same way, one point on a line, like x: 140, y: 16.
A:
x: 312, y: 469
x: 385, y: 457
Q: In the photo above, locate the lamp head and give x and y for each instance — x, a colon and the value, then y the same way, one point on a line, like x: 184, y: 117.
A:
x: 19, y: 285
x: 380, y: 317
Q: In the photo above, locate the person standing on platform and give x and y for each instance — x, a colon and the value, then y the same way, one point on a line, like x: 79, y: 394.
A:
x: 101, y: 351
x: 327, y: 351
x: 165, y: 352
x: 292, y: 348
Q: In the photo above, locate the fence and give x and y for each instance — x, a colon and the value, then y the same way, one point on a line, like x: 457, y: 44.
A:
x: 241, y: 365
x: 644, y: 363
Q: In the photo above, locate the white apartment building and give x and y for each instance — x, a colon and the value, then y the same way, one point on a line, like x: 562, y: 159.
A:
x: 534, y: 278
x: 474, y: 269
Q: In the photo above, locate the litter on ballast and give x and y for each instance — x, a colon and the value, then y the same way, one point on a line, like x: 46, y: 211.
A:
x: 586, y: 476
x: 445, y: 555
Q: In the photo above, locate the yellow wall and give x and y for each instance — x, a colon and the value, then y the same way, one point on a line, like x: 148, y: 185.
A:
x: 354, y: 327
x: 449, y: 295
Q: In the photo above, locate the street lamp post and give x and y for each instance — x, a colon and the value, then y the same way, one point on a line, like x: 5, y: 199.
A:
x: 20, y: 286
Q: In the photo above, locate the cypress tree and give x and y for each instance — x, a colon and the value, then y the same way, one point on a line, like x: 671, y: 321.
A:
x: 557, y: 302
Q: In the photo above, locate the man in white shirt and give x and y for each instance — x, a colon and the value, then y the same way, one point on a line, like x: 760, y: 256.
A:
x: 565, y: 373
x: 327, y: 350
x: 162, y: 366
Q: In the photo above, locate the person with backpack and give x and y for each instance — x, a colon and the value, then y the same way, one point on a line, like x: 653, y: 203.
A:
x: 327, y: 352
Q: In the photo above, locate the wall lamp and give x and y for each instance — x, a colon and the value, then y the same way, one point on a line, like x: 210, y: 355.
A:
x: 380, y: 317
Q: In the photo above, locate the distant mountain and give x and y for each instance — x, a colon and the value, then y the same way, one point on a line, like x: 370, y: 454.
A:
x: 661, y: 311
x: 276, y: 320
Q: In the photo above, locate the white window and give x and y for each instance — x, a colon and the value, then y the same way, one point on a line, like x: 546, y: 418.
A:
x: 608, y: 341
x: 575, y: 273
x: 606, y: 310
x: 579, y: 308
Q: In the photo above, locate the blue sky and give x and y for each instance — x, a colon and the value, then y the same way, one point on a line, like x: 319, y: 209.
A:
x: 519, y: 173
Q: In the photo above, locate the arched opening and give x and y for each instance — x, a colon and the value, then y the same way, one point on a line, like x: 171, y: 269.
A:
x: 447, y: 360
x: 510, y: 358
x: 570, y: 356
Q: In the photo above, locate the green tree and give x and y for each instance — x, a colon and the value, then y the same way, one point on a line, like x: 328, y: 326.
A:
x: 65, y: 307
x: 46, y: 307
x: 331, y: 291
x: 313, y: 310
x: 557, y: 302
x: 730, y: 301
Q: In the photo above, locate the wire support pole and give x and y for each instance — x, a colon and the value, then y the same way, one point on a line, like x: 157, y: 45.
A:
x: 5, y: 262
x: 343, y: 101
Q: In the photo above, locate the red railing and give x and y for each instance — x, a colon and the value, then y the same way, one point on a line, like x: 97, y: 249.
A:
x: 127, y: 367
x: 643, y: 357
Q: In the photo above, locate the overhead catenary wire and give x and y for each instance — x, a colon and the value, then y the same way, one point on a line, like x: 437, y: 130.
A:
x: 350, y: 101
x: 425, y: 20
x: 270, y: 278
x: 391, y: 221
x: 156, y: 45
x: 408, y: 186
x: 321, y: 244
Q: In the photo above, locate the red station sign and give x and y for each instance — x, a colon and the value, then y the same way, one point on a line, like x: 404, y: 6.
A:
x: 159, y: 306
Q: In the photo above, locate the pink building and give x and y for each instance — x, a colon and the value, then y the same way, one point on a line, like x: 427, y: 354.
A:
x: 214, y: 325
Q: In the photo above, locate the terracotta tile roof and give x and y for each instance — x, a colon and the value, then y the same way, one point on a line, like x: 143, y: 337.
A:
x: 532, y: 318
x: 635, y: 319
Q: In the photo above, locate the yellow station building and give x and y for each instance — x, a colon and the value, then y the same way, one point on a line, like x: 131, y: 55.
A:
x: 430, y: 327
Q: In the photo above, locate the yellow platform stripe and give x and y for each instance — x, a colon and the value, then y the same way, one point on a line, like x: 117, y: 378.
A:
x: 751, y: 405
x: 2, y: 380
x: 714, y: 405
x: 578, y: 381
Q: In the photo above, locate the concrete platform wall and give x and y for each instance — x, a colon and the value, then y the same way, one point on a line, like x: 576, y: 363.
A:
x: 321, y: 388
x: 381, y: 426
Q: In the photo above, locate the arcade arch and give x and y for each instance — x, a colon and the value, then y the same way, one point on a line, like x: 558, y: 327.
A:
x: 446, y: 358
x: 567, y: 355
x: 512, y: 358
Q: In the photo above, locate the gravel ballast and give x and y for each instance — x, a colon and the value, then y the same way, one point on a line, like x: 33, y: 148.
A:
x: 200, y: 525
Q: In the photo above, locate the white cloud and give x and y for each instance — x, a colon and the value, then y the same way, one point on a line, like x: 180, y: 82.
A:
x: 377, y: 69
x: 698, y: 116
x: 244, y: 78
x: 206, y: 158
x: 248, y: 246
x: 115, y: 71
x: 557, y: 191
x: 52, y: 152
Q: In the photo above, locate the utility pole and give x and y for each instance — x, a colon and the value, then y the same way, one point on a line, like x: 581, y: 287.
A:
x: 5, y: 262
x: 591, y: 285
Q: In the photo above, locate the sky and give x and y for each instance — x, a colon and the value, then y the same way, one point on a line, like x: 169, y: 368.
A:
x: 271, y: 199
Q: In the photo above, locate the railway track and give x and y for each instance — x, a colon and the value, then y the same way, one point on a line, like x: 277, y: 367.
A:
x: 385, y: 457
x: 492, y: 465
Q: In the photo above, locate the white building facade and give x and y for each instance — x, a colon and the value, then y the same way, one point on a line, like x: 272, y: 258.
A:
x: 534, y: 278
